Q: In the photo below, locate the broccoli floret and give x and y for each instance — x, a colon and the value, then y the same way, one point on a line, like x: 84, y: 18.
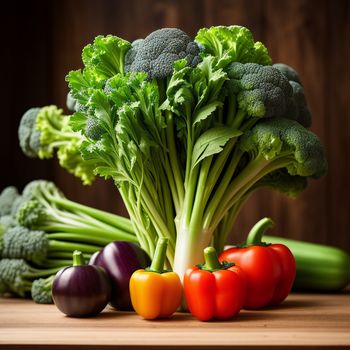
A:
x: 7, y: 221
x: 48, y: 130
x: 157, y: 53
x: 19, y: 242
x: 284, y: 143
x: 16, y: 205
x: 41, y: 290
x: 30, y: 213
x: 290, y: 73
x: 10, y: 280
x: 93, y: 130
x: 282, y: 182
x: 7, y: 198
x: 16, y: 276
x: 299, y: 109
x: 262, y: 91
x: 302, y: 113
x: 27, y: 133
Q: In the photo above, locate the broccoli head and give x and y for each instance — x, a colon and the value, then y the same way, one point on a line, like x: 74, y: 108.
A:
x: 41, y: 290
x: 290, y: 73
x: 7, y: 221
x: 298, y: 108
x: 19, y: 242
x: 284, y: 143
x: 10, y: 272
x: 281, y: 181
x: 157, y: 53
x: 262, y: 91
x: 29, y: 137
x: 7, y: 198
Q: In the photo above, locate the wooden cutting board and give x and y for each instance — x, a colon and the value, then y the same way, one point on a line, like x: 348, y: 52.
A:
x: 303, y: 320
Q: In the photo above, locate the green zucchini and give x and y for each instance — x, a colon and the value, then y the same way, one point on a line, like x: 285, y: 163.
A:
x: 318, y: 267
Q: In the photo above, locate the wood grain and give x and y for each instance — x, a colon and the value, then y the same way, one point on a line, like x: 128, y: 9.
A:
x: 313, y: 36
x: 303, y: 320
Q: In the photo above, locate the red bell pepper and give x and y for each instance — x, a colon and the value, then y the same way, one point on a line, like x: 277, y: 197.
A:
x: 214, y: 290
x: 269, y: 268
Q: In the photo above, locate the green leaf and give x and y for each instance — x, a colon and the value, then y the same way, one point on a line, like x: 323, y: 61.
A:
x: 232, y: 44
x: 212, y: 142
x: 105, y: 56
x: 77, y: 121
x: 204, y: 112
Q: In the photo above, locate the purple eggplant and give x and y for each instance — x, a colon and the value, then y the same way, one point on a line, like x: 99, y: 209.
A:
x: 81, y: 290
x: 121, y: 260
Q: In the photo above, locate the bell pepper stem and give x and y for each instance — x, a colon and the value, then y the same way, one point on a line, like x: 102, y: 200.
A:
x: 258, y: 230
x: 78, y: 258
x: 159, y: 256
x: 212, y: 262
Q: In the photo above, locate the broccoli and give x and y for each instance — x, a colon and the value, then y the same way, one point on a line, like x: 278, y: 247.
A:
x: 93, y: 129
x: 41, y: 290
x: 299, y: 109
x: 186, y: 140
x: 16, y: 276
x: 7, y: 197
x: 262, y: 91
x: 45, y: 208
x: 38, y: 246
x: 290, y: 73
x: 7, y: 221
x: 157, y: 53
x: 42, y: 131
x: 27, y: 133
x: 272, y: 144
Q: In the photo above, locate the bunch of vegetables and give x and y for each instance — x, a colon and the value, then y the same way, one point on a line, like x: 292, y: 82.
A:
x: 187, y: 130
x: 39, y: 230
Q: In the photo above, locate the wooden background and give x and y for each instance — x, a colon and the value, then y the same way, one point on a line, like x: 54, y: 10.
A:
x: 42, y: 40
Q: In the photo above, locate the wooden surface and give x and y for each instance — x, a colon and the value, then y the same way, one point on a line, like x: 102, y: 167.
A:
x: 303, y: 320
x: 42, y: 40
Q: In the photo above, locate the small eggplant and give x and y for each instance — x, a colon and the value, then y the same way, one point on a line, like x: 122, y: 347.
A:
x: 81, y: 290
x: 121, y: 260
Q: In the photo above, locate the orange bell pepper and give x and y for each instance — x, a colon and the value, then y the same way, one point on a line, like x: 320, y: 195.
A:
x: 155, y: 292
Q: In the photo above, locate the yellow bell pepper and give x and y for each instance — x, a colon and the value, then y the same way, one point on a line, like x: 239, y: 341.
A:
x: 155, y: 292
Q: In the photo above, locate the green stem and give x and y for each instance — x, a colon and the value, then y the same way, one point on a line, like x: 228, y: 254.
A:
x: 56, y: 262
x: 258, y: 230
x: 159, y: 256
x: 78, y: 258
x: 37, y: 273
x: 108, y: 218
x: 83, y: 238
x: 174, y: 161
x: 220, y: 192
x: 69, y: 246
x: 212, y: 262
x: 200, y: 200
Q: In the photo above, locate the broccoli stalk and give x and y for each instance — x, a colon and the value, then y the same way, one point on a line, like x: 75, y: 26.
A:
x: 49, y: 226
x: 45, y: 208
x: 41, y: 248
x: 16, y: 276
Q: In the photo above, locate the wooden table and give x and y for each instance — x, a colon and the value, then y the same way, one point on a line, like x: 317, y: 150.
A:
x: 302, y: 321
